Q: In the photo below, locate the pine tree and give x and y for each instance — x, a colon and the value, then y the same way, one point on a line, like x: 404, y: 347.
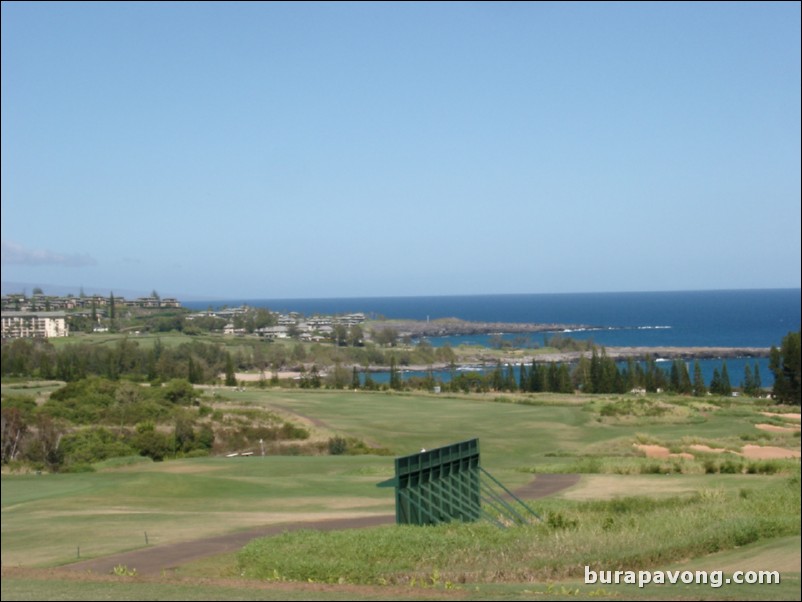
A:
x: 553, y: 378
x: 535, y: 378
x: 231, y: 379
x: 498, y: 377
x: 685, y: 387
x: 595, y: 373
x: 785, y: 364
x: 509, y: 381
x: 195, y: 371
x: 726, y: 387
x: 395, y: 379
x: 699, y: 389
x: 523, y: 378
x: 715, y: 382
x: 748, y: 384
x: 565, y: 385
x: 674, y: 378
x: 112, y: 314
x: 758, y: 381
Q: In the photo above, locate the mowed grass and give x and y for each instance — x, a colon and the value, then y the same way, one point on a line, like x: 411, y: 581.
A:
x: 538, y: 435
x: 50, y: 519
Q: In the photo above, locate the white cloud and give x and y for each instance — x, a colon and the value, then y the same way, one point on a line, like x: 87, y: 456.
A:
x: 13, y: 253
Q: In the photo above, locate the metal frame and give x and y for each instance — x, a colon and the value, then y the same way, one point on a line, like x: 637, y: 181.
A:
x: 446, y: 484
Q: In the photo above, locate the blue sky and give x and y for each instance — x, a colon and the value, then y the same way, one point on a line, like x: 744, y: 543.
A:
x: 334, y: 150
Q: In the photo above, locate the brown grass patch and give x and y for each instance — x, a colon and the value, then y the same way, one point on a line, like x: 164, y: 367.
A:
x: 699, y: 447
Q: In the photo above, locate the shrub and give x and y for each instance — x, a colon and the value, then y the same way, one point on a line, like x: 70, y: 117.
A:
x: 337, y: 446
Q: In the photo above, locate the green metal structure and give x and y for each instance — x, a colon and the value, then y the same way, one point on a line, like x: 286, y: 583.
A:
x: 448, y: 483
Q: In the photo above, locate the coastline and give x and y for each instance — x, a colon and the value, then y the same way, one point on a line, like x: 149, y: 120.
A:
x: 481, y: 359
x: 616, y: 353
x: 456, y: 326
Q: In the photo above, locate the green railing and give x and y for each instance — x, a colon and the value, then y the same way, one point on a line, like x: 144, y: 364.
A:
x: 447, y: 484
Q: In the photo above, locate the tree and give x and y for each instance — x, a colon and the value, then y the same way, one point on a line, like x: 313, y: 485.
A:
x: 699, y: 389
x: 13, y: 430
x: 715, y: 382
x: 112, y: 313
x: 523, y: 378
x: 510, y: 383
x: 340, y: 335
x: 314, y: 378
x: 370, y: 385
x: 395, y: 379
x: 784, y: 363
x: 536, y: 378
x: 356, y: 336
x: 748, y: 384
x: 726, y: 387
x: 386, y: 337
x: 720, y: 383
x: 758, y: 380
x: 680, y: 380
x: 231, y: 379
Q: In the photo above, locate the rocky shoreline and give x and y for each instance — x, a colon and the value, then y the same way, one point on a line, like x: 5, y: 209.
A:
x: 616, y: 353
x: 455, y: 326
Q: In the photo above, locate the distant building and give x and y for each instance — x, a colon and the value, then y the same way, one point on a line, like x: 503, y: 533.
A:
x: 34, y: 324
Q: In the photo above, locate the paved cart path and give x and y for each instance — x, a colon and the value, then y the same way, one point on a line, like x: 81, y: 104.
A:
x: 154, y: 560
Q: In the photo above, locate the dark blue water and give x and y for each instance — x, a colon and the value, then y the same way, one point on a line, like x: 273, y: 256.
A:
x: 741, y: 318
x: 735, y: 369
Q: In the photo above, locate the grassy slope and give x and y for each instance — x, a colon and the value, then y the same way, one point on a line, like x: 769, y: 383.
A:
x: 37, y: 585
x: 45, y: 518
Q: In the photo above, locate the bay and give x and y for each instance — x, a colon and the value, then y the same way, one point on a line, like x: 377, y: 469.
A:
x: 727, y: 318
x: 719, y: 318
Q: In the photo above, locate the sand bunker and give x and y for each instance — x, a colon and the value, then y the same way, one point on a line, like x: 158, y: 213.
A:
x: 758, y: 452
x: 778, y: 429
x: 658, y: 451
x: 751, y: 452
x: 652, y: 451
x: 789, y: 416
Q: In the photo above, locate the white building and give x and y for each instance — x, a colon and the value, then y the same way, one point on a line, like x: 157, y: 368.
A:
x: 36, y: 324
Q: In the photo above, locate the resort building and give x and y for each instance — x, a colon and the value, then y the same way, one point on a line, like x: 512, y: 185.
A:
x: 30, y: 324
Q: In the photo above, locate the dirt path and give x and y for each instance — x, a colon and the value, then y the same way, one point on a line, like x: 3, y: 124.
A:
x: 155, y: 560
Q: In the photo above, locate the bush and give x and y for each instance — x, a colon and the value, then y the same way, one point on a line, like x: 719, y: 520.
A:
x: 337, y: 446
x: 92, y: 445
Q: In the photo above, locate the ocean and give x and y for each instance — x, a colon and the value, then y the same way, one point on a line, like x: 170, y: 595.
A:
x: 724, y: 318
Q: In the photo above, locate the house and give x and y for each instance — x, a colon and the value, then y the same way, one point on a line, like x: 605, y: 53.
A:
x: 230, y: 330
x: 273, y: 332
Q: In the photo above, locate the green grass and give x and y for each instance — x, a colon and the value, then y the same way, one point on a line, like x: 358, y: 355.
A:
x: 687, y: 514
x: 46, y: 518
x: 621, y: 533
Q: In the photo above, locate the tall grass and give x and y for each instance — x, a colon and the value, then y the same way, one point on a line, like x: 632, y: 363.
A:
x: 626, y: 533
